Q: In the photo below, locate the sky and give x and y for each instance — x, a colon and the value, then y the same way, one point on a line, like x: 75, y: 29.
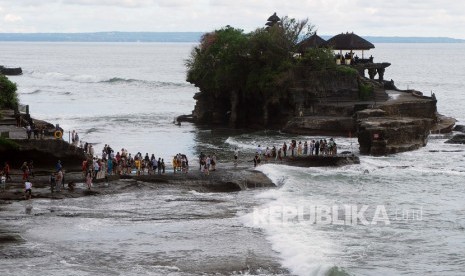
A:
x: 430, y: 18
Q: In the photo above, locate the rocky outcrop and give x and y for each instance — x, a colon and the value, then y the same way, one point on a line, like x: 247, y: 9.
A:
x: 319, y: 125
x: 307, y: 91
x: 10, y: 71
x: 459, y: 128
x: 389, y: 135
x: 457, y: 139
x: 44, y: 153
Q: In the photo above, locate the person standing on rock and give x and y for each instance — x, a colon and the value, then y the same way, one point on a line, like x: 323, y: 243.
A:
x: 28, y: 189
x: 89, y: 179
x: 59, y: 179
x: 76, y: 139
x: 25, y: 170
x: 285, y: 149
x: 6, y: 171
x: 201, y: 160
x: 236, y: 156
x: 159, y: 165
x: 73, y: 135
x: 28, y: 131
x: 53, y: 182
x: 317, y: 147
x: 162, y: 165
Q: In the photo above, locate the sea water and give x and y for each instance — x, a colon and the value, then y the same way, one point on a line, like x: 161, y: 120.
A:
x: 127, y: 94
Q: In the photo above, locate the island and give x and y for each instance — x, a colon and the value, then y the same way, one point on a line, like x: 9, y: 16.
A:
x: 271, y: 78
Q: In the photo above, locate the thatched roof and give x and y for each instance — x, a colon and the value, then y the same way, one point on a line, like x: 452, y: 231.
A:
x: 274, y: 18
x: 349, y: 41
x: 314, y: 41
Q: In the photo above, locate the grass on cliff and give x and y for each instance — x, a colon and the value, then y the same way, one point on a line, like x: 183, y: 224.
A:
x: 346, y: 70
x: 365, y: 91
x: 7, y: 144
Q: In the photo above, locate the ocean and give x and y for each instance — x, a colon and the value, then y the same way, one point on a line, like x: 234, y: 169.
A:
x: 408, y: 208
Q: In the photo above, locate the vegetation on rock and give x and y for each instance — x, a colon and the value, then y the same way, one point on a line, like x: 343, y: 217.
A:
x: 247, y: 79
x: 8, y: 95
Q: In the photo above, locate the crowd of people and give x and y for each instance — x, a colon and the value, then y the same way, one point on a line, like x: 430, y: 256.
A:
x: 316, y: 147
x: 124, y: 163
x: 121, y: 163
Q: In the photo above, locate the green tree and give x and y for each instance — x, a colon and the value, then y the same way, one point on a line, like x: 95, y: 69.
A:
x: 8, y: 95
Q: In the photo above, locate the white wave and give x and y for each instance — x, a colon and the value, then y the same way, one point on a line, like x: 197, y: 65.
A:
x: 66, y: 77
x: 232, y: 141
x: 303, y: 248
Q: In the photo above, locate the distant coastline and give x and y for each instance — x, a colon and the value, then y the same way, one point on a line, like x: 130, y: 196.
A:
x: 179, y: 37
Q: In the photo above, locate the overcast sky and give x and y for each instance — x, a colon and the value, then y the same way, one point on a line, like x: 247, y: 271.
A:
x: 364, y: 17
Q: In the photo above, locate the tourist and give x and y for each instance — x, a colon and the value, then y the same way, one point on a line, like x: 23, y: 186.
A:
x: 89, y: 179
x: 236, y: 156
x: 256, y: 160
x: 317, y: 147
x: 284, y: 149
x: 259, y: 150
x: 53, y: 182
x: 159, y: 165
x: 35, y: 130
x: 76, y: 139
x: 312, y: 147
x: 28, y: 131
x: 305, y: 148
x: 208, y: 161
x: 91, y: 151
x: 73, y: 140
x: 110, y: 166
x: 175, y: 163
x: 299, y: 149
x: 280, y: 155
x: 213, y: 162
x: 3, y: 181
x: 185, y: 163
x: 59, y: 178
x: 201, y: 160
x: 25, y: 170
x: 58, y: 166
x: 267, y: 154
x: 6, y: 171
x: 28, y: 189
x: 162, y: 166
x: 137, y: 164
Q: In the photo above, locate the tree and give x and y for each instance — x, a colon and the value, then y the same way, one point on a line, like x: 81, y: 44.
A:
x: 8, y: 95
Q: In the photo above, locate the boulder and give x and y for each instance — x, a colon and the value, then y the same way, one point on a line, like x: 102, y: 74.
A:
x: 389, y: 135
x: 457, y: 139
x: 459, y: 128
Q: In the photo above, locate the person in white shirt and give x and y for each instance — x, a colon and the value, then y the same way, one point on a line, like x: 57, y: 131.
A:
x: 28, y: 189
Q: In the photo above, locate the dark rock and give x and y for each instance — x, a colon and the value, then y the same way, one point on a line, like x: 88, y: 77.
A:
x: 459, y: 128
x: 366, y: 113
x: 322, y: 160
x: 44, y: 153
x: 318, y: 125
x: 10, y: 71
x: 389, y: 135
x: 457, y: 139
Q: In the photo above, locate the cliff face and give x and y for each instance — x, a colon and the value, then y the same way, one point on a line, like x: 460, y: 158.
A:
x: 389, y: 135
x: 44, y: 153
x: 305, y: 91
